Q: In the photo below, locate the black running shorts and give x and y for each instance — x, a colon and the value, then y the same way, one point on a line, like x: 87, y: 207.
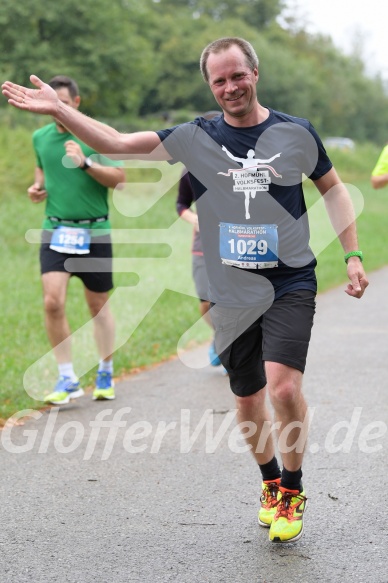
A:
x: 94, y: 268
x: 246, y: 338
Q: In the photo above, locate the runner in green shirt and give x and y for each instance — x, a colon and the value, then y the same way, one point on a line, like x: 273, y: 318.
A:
x: 74, y: 182
x: 379, y: 177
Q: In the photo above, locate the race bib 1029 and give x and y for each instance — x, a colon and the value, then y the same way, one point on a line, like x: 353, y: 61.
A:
x: 249, y: 246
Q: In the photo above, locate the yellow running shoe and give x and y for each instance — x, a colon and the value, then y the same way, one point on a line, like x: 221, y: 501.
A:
x: 104, y: 387
x: 268, y: 501
x: 287, y: 524
x: 64, y: 390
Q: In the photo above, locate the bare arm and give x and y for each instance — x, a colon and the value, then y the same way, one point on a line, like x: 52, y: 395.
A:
x: 379, y: 176
x: 108, y: 176
x: 340, y: 209
x: 36, y: 191
x: 379, y: 181
x: 184, y: 201
x: 100, y: 137
x: 190, y: 217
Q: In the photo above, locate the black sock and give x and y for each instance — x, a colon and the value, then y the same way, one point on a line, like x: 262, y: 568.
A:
x: 270, y: 470
x: 292, y: 480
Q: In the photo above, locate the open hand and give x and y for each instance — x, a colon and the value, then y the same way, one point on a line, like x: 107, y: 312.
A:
x: 42, y: 100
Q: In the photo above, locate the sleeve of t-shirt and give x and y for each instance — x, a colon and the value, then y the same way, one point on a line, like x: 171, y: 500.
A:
x: 382, y: 163
x: 178, y: 141
x: 324, y: 164
x: 185, y: 194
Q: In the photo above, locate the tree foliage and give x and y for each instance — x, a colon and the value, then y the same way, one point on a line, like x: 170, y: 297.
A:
x: 257, y: 13
x: 134, y: 58
x: 93, y: 41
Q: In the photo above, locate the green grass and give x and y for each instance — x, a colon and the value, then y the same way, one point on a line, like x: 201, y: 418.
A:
x: 153, y: 299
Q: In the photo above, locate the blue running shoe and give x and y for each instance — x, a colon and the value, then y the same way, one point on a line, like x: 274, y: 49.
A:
x: 64, y: 390
x: 213, y: 356
x: 104, y: 386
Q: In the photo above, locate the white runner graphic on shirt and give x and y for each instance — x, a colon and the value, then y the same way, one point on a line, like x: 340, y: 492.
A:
x: 250, y: 179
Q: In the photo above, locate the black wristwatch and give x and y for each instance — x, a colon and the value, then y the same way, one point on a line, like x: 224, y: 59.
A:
x: 87, y: 164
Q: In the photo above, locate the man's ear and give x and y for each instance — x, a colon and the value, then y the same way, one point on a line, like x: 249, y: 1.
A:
x: 77, y: 101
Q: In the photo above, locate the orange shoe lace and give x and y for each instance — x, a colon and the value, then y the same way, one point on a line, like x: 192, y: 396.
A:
x: 286, y: 508
x: 269, y: 496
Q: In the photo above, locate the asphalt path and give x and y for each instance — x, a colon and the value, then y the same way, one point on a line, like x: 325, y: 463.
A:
x: 156, y: 485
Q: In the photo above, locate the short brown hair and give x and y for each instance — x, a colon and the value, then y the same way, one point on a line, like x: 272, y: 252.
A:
x: 222, y: 44
x: 62, y: 81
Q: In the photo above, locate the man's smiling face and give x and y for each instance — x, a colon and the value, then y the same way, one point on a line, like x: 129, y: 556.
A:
x: 233, y: 83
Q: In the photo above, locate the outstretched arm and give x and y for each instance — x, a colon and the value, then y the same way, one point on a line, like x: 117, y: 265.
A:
x: 224, y: 149
x: 340, y: 209
x: 100, y: 137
